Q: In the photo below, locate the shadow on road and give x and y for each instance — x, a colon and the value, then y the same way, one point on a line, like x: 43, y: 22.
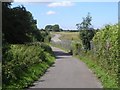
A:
x: 60, y: 54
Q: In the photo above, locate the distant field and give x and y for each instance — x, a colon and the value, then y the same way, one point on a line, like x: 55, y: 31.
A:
x: 67, y: 35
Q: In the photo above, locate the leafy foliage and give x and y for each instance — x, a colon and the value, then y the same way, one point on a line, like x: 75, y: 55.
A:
x: 76, y: 48
x: 85, y: 24
x: 106, y: 49
x: 105, y: 53
x: 23, y: 60
x: 86, y: 34
x: 18, y: 59
x: 55, y: 28
x: 100, y: 73
x: 19, y: 26
x: 48, y: 27
x: 45, y: 36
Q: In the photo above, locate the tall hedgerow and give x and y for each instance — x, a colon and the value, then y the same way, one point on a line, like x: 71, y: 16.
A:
x: 106, y: 49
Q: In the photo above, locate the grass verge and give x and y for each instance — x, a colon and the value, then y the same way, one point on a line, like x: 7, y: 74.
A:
x: 30, y: 76
x: 23, y: 64
x: 106, y: 80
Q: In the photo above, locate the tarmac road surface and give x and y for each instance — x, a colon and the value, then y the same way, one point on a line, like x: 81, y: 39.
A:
x: 67, y: 72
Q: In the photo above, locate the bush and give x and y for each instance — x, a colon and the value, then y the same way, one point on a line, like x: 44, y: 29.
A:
x: 18, y: 59
x: 76, y: 48
x: 104, y: 53
x: 106, y: 49
x: 46, y: 36
x: 47, y: 48
x: 47, y: 39
x: 86, y: 36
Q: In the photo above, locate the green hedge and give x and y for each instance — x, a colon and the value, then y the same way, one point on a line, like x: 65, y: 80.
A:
x: 104, y: 53
x: 106, y: 49
x: 76, y: 48
x: 19, y: 59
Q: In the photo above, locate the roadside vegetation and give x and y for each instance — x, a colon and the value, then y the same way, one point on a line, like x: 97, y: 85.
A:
x: 107, y: 80
x: 23, y: 64
x: 104, y: 55
x: 99, y: 49
x: 25, y: 54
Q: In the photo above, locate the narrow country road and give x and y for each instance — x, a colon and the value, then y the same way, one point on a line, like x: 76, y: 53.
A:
x: 56, y: 38
x: 67, y: 72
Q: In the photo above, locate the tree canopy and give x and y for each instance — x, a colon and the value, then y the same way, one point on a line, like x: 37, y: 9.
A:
x: 55, y: 28
x: 85, y: 24
x: 18, y: 25
x: 48, y: 27
x: 86, y: 34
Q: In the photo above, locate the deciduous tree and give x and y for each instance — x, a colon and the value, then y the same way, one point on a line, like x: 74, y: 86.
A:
x: 86, y: 34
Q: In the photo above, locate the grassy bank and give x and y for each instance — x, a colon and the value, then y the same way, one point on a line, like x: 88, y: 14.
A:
x: 30, y: 76
x: 103, y: 58
x: 23, y: 64
x: 106, y: 80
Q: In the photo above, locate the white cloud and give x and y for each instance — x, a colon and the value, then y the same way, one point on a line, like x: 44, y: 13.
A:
x: 50, y: 12
x: 60, y: 4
